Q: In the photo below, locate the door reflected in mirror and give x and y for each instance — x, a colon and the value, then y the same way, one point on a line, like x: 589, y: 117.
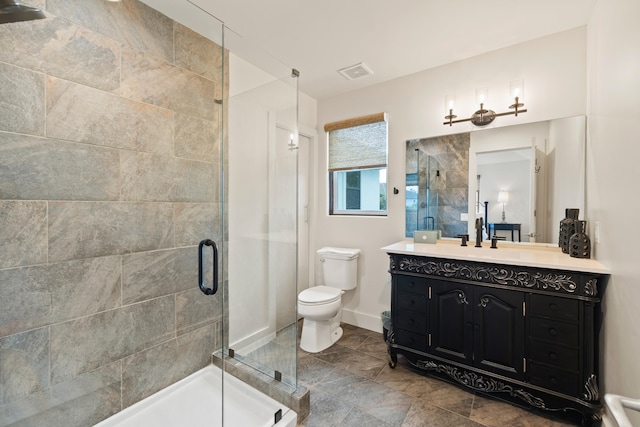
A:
x: 505, y: 184
x: 453, y: 179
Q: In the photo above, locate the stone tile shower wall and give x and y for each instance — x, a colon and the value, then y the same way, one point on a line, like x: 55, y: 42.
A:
x: 452, y: 154
x: 109, y: 178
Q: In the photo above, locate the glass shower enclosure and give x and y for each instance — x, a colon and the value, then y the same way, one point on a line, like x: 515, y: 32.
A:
x: 122, y: 158
x: 262, y: 175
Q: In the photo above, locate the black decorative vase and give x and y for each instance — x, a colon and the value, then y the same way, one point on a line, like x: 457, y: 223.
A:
x: 567, y: 228
x: 580, y: 244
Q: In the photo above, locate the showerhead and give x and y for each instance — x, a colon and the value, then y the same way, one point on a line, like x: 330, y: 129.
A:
x: 12, y: 11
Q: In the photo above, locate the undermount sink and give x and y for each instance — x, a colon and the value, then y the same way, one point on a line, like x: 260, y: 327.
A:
x: 495, y: 253
x: 470, y: 251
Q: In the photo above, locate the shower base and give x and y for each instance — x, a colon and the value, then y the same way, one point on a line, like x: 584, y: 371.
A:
x: 196, y: 400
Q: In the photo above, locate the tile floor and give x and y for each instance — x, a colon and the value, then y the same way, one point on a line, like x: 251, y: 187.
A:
x: 352, y: 384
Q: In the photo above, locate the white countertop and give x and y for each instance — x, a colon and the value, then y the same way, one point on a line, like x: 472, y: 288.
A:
x: 510, y: 254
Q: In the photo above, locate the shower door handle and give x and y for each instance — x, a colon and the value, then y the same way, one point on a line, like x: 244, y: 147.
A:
x: 201, y: 283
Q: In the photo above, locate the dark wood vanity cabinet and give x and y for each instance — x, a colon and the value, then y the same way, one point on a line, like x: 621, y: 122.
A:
x: 521, y: 334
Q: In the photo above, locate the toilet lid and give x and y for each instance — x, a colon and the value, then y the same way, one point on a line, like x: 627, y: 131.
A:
x: 319, y: 295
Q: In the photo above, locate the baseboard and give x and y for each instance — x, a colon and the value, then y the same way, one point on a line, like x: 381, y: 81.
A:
x: 253, y: 341
x: 362, y: 320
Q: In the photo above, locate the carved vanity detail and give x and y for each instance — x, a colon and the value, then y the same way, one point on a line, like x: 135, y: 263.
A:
x: 521, y: 333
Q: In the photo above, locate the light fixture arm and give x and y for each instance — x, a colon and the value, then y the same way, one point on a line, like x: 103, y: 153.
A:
x: 450, y: 117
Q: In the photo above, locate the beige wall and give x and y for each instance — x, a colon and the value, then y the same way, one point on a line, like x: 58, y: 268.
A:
x: 554, y: 72
x: 613, y: 175
x: 109, y: 178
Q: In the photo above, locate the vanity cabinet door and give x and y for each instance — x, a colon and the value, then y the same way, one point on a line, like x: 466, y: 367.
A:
x: 451, y: 321
x: 499, y: 331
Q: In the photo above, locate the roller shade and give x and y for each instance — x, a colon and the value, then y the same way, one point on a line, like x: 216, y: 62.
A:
x: 359, y: 143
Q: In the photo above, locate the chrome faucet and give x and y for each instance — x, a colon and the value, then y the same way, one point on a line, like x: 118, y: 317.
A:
x: 479, y: 232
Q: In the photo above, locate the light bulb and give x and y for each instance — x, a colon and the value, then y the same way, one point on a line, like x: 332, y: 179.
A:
x: 516, y: 88
x: 481, y: 95
x: 449, y: 104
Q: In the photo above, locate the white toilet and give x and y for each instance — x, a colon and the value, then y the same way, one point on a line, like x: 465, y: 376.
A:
x: 321, y: 306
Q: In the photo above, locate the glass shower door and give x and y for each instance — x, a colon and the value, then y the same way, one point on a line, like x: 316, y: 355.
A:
x: 424, y: 182
x: 263, y: 147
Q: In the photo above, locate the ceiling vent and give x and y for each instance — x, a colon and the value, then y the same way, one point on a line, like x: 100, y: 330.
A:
x: 357, y: 71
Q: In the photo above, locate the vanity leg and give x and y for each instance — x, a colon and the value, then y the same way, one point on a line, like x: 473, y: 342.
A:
x: 394, y: 358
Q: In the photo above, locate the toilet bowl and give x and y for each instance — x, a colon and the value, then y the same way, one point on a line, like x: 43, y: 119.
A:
x: 321, y: 306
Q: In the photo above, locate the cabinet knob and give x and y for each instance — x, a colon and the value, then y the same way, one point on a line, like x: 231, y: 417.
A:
x: 553, y: 380
x: 552, y: 355
x: 553, y: 332
x: 552, y: 306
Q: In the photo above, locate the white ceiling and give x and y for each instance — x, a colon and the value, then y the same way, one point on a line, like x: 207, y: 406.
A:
x: 393, y: 38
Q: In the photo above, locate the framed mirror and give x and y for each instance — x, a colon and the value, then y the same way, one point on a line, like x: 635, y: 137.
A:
x: 530, y: 172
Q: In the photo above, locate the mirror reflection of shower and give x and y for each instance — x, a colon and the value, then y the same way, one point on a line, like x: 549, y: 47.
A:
x: 478, y: 206
x: 437, y: 185
x: 431, y: 198
x: 423, y: 193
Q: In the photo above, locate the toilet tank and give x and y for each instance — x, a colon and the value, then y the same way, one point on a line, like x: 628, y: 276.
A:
x: 340, y: 267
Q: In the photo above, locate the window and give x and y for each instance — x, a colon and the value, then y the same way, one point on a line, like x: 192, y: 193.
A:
x: 358, y: 166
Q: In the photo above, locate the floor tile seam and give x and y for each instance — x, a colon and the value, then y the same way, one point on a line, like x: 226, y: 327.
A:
x: 355, y: 407
x: 375, y: 356
x: 446, y: 409
x: 362, y: 376
x: 384, y: 358
x: 317, y: 359
x: 320, y: 380
x: 328, y: 396
x: 450, y: 411
x: 493, y: 399
x: 410, y: 401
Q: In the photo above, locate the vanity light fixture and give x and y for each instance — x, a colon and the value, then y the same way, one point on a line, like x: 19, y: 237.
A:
x: 484, y: 116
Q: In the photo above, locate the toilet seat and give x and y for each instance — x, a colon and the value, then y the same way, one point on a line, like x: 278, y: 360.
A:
x: 319, y: 295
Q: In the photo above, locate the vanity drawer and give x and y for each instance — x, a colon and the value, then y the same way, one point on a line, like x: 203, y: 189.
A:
x: 411, y: 340
x: 554, y: 307
x: 412, y: 284
x: 555, y: 355
x: 554, y: 331
x: 415, y: 321
x: 555, y: 379
x: 411, y: 301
